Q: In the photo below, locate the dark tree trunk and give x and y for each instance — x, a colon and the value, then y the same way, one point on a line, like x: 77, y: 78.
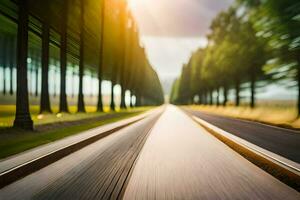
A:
x: 101, y: 58
x: 54, y: 84
x: 11, y: 64
x: 32, y: 76
x: 112, y: 98
x: 204, y: 98
x: 218, y: 97
x: 123, y: 103
x: 225, y: 94
x: 211, y: 99
x: 4, y: 63
x: 11, y: 71
x: 80, y: 105
x: 73, y: 83
x: 298, y: 82
x: 131, y: 101
x: 200, y: 98
x: 138, y: 102
x: 4, y: 79
x: 45, y: 98
x: 100, y: 102
x: 36, y: 80
x: 123, y: 57
x: 253, y: 81
x: 237, y: 93
x: 23, y: 118
x: 63, y: 104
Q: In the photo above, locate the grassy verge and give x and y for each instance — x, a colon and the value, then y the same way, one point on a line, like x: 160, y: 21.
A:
x: 15, y: 141
x: 278, y: 116
x: 7, y: 113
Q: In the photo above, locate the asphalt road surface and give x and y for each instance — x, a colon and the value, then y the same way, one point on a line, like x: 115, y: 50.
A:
x: 172, y: 158
x: 98, y: 171
x: 281, y: 141
x: 180, y: 160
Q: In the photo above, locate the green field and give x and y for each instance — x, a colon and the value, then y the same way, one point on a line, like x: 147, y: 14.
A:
x: 14, y: 141
x: 7, y: 115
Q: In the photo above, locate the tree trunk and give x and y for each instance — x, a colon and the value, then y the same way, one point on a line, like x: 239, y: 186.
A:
x: 204, y: 98
x: 63, y: 105
x: 112, y: 99
x: 100, y: 102
x: 4, y: 79
x: 298, y: 82
x: 101, y: 58
x: 80, y: 106
x: 45, y: 98
x: 73, y: 83
x: 36, y: 80
x: 138, y: 102
x: 211, y: 97
x: 123, y: 27
x: 237, y: 92
x: 11, y: 64
x: 225, y: 94
x: 200, y: 98
x: 218, y: 97
x: 253, y: 80
x: 23, y: 118
x: 4, y: 63
x: 123, y: 103
x: 131, y: 101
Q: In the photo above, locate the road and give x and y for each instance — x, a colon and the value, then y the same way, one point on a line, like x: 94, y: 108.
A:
x: 281, y: 141
x: 98, y: 171
x: 180, y: 160
x: 166, y: 157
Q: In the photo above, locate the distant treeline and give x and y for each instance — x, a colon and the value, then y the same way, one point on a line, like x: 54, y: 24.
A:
x: 253, y: 40
x: 96, y: 36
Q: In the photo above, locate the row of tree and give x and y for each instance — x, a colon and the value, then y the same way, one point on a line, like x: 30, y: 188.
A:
x: 253, y: 40
x: 100, y: 35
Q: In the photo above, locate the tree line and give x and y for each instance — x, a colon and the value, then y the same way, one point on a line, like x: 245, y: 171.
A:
x: 100, y: 35
x: 252, y: 41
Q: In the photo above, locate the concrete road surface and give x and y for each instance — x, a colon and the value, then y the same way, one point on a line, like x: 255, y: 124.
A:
x: 180, y: 160
x: 283, y: 142
x: 98, y: 171
x: 173, y: 158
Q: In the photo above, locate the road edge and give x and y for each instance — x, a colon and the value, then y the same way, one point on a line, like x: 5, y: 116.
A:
x: 32, y: 166
x: 289, y: 177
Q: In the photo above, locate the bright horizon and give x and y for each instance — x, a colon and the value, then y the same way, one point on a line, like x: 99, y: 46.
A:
x: 172, y: 29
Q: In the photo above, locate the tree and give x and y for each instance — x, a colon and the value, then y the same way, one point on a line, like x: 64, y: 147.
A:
x: 278, y: 21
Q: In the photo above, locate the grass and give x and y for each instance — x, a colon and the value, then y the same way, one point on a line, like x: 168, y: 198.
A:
x: 16, y: 141
x: 282, y: 116
x: 7, y: 113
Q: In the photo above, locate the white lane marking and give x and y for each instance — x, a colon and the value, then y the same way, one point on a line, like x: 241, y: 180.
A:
x: 284, y: 162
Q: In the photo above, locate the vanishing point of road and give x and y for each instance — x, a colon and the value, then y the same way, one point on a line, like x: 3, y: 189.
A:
x: 164, y: 156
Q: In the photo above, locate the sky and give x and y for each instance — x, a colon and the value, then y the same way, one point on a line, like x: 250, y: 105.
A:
x: 172, y: 29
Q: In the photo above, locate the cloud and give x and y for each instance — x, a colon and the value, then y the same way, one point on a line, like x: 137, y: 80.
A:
x: 176, y: 18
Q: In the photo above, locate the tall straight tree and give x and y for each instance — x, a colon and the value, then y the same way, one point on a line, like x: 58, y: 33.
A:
x: 37, y: 75
x: 4, y: 63
x: 123, y: 24
x: 80, y: 105
x: 63, y: 104
x: 12, y: 63
x: 101, y: 58
x: 112, y: 98
x: 45, y: 99
x: 23, y: 118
